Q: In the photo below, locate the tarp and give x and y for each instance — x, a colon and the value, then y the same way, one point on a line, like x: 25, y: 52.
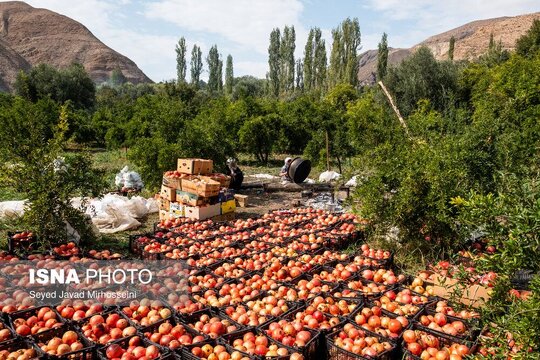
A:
x: 110, y: 214
x: 10, y: 209
x: 328, y: 176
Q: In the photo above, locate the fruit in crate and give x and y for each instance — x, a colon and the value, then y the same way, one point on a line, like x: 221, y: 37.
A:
x: 427, y: 346
x: 155, y: 248
x: 382, y: 276
x: 358, y: 342
x: 42, y: 320
x: 329, y: 305
x: 309, y: 288
x: 135, y: 350
x: 212, y: 326
x: 218, y: 352
x: 172, y: 336
x: 289, y: 333
x: 146, y: 312
x: 24, y: 235
x: 78, y: 309
x: 183, y: 303
x: 316, y: 319
x: 69, y: 249
x: 18, y: 354
x: 441, y: 323
x: 228, y: 270
x: 103, y: 329
x: 62, y: 345
x: 367, y: 288
x: 419, y: 286
x: 259, y: 345
x: 405, y: 296
x: 5, y: 334
x: 259, y: 282
x: 18, y: 300
x: 207, y: 281
x: 397, y: 308
x: 246, y: 316
x: 375, y: 254
x: 104, y: 255
x: 444, y: 308
x: 374, y: 320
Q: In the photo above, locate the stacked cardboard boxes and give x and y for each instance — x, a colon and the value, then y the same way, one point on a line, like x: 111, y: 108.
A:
x: 194, y: 191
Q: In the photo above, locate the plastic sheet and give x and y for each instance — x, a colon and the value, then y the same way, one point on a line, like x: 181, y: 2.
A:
x: 328, y: 176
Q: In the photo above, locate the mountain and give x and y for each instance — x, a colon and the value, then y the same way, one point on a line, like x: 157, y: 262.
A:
x: 30, y: 36
x: 472, y: 40
x: 10, y: 65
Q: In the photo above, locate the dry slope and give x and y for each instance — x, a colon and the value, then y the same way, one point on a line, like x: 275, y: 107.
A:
x: 43, y: 36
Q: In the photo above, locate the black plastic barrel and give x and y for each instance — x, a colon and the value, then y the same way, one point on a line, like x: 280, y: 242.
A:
x: 299, y: 170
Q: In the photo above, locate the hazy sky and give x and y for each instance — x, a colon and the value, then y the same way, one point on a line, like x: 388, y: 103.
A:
x: 146, y: 31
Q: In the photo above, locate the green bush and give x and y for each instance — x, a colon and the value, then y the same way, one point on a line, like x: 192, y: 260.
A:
x: 34, y: 162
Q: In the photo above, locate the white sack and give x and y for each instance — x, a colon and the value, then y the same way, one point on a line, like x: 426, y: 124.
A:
x: 11, y: 209
x: 328, y: 176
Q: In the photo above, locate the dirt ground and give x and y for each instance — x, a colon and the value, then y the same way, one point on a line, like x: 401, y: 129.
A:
x: 262, y: 202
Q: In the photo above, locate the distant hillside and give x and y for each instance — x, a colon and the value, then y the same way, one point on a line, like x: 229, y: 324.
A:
x: 31, y: 36
x: 472, y: 40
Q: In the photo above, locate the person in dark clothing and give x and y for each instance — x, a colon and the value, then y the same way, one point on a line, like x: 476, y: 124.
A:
x: 237, y: 176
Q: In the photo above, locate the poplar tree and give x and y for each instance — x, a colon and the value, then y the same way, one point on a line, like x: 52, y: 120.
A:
x: 196, y: 65
x: 229, y: 75
x: 181, y: 65
x: 299, y: 75
x: 451, y: 46
x: 274, y: 62
x: 344, y: 55
x: 287, y: 48
x: 308, y: 61
x: 382, y: 57
x: 337, y: 65
x: 214, y: 71
x: 320, y: 61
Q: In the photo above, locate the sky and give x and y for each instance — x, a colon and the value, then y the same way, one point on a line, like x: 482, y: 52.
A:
x: 147, y: 31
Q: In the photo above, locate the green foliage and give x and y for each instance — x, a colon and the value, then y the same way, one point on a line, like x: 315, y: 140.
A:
x: 274, y: 62
x: 422, y: 77
x: 315, y: 61
x: 344, y: 54
x: 181, y: 64
x: 529, y: 44
x: 47, y: 175
x: 248, y: 86
x: 117, y: 78
x: 196, y: 65
x: 215, y: 66
x: 451, y: 46
x: 71, y: 84
x: 382, y: 57
x: 229, y: 76
x: 259, y: 135
x: 287, y: 67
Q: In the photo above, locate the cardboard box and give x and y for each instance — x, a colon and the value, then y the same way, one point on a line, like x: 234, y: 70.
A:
x: 195, y: 166
x: 164, y: 215
x: 223, y: 180
x: 188, y: 198
x: 228, y: 207
x: 226, y: 195
x: 202, y: 212
x: 164, y: 204
x: 177, y: 210
x: 173, y: 183
x: 168, y: 193
x: 241, y: 200
x: 201, y: 185
x: 472, y: 294
x: 224, y: 217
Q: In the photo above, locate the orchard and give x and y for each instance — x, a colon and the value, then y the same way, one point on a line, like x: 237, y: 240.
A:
x: 279, y: 286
